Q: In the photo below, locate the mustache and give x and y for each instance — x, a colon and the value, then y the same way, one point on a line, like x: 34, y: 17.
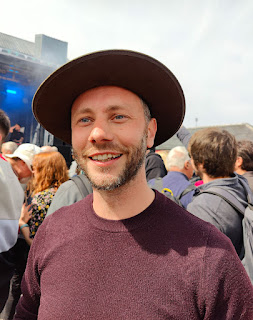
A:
x: 107, y: 146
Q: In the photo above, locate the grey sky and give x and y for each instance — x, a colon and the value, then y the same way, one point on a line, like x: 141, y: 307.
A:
x: 207, y: 44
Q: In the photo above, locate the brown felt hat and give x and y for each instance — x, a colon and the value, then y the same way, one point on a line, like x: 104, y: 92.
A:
x: 134, y: 71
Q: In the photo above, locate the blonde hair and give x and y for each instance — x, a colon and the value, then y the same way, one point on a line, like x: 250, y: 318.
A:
x: 51, y: 171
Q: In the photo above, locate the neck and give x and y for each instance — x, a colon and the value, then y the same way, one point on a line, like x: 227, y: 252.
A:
x: 179, y: 170
x: 207, y: 178
x: 123, y: 202
x: 240, y: 171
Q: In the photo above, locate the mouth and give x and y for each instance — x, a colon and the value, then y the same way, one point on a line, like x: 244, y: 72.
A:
x: 105, y: 157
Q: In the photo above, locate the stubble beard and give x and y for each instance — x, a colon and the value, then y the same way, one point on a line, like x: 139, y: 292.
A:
x: 135, y: 160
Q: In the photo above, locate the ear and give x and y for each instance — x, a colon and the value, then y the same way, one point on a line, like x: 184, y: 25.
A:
x: 186, y: 164
x: 199, y: 167
x: 238, y: 162
x: 152, y: 128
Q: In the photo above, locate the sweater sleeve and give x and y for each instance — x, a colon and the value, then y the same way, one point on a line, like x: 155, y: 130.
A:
x: 29, y: 302
x: 227, y: 292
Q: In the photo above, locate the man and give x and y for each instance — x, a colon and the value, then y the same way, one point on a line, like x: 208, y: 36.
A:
x: 48, y: 149
x: 244, y: 161
x: 214, y: 153
x: 21, y: 173
x: 21, y: 161
x: 180, y: 172
x: 16, y: 135
x: 125, y: 251
x: 11, y: 200
x: 154, y: 165
x: 8, y: 147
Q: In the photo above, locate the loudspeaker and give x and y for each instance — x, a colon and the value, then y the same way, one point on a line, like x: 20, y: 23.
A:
x: 64, y: 149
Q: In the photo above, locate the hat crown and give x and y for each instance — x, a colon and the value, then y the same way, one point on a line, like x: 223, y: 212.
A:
x: 27, y: 149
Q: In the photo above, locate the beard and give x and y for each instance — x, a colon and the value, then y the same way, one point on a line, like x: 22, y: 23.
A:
x: 25, y: 180
x: 135, y: 159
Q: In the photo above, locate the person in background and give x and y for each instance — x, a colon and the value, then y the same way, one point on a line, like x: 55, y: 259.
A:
x: 49, y: 172
x: 244, y: 161
x: 16, y: 135
x: 154, y: 165
x: 163, y: 154
x: 11, y: 200
x: 214, y: 153
x: 179, y: 175
x: 9, y: 147
x: 21, y: 161
x: 48, y: 148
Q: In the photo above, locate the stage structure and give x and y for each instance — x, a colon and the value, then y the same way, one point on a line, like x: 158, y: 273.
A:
x: 24, y: 65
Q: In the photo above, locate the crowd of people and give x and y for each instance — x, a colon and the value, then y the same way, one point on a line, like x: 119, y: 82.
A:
x: 112, y: 244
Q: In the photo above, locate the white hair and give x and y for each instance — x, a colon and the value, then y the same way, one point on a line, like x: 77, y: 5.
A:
x: 9, y: 147
x: 49, y: 149
x: 177, y: 157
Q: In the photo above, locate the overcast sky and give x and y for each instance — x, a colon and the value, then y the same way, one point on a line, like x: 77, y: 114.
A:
x: 207, y: 44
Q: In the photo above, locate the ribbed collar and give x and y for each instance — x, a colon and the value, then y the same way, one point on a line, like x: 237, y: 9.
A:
x: 140, y: 220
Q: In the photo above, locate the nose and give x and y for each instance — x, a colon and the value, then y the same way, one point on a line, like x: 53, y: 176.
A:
x: 100, y: 133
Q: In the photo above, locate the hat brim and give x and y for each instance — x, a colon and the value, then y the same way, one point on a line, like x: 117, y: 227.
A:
x: 22, y: 157
x: 139, y: 73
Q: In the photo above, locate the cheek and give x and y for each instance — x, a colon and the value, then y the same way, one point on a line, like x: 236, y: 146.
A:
x: 28, y: 172
x: 79, y: 138
x: 130, y: 140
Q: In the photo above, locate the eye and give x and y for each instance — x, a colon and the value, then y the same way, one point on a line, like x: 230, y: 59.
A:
x: 85, y: 121
x: 120, y: 118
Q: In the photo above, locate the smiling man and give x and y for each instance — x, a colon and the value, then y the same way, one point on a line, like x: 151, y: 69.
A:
x: 125, y: 251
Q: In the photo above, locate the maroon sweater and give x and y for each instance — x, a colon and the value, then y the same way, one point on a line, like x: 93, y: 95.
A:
x: 161, y: 264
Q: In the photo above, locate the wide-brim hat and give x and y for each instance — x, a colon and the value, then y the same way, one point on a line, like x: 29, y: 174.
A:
x: 143, y: 75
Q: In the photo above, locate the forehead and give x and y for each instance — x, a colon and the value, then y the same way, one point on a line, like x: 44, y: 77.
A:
x: 106, y: 96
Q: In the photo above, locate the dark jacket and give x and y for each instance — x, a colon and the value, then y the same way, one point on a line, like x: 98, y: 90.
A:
x: 154, y: 166
x: 218, y: 212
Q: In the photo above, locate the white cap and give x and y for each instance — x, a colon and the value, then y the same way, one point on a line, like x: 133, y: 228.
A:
x: 25, y: 152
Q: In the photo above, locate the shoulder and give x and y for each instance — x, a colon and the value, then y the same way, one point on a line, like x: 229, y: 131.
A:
x: 182, y: 220
x: 69, y: 190
x: 175, y: 176
x: 153, y: 157
x: 66, y: 186
x: 66, y: 195
x: 65, y: 198
x: 205, y: 205
x: 66, y: 218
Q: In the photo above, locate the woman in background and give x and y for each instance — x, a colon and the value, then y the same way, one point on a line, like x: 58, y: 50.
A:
x: 49, y: 172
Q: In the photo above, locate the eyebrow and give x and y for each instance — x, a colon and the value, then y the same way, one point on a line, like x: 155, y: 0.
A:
x: 109, y: 108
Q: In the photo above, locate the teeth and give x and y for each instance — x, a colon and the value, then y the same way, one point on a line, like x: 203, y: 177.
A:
x: 105, y: 157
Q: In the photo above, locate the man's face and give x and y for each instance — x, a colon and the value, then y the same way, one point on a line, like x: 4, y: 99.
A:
x: 190, y: 169
x: 198, y: 170
x: 20, y: 168
x: 17, y: 127
x: 110, y: 136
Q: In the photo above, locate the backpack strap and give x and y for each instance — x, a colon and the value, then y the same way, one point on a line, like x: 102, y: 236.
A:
x: 229, y: 197
x: 82, y: 184
x: 188, y: 189
x: 247, y: 191
x: 158, y: 184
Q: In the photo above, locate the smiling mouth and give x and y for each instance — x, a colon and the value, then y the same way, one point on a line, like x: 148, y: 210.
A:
x: 105, y: 157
